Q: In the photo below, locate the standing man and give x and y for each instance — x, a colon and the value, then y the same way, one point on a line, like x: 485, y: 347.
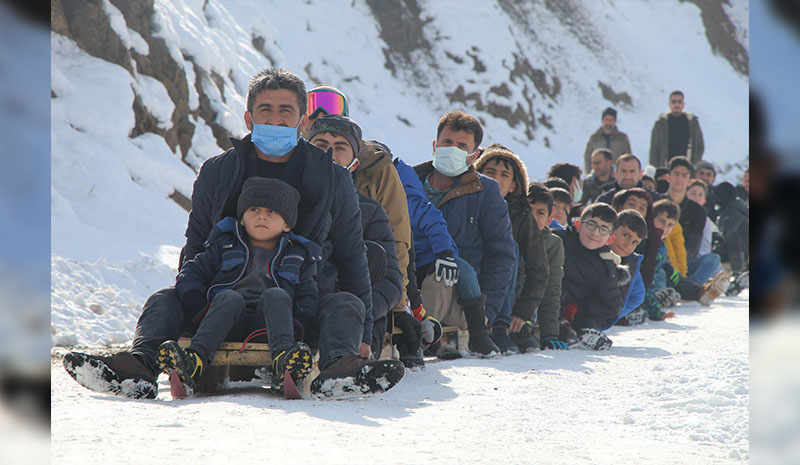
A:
x: 477, y: 219
x: 602, y: 177
x: 607, y: 137
x: 676, y: 133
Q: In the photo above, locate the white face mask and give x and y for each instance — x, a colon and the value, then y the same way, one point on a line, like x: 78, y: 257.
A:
x: 450, y: 161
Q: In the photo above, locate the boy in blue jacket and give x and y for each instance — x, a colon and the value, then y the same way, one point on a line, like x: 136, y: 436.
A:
x: 253, y: 271
x: 631, y: 230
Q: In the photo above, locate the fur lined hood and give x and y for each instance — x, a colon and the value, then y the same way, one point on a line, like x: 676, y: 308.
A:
x: 496, y: 150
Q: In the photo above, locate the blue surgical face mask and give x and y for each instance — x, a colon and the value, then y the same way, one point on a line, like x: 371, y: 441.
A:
x: 275, y: 141
x: 577, y: 194
x: 450, y: 161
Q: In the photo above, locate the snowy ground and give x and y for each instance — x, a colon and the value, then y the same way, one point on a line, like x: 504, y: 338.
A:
x: 668, y: 392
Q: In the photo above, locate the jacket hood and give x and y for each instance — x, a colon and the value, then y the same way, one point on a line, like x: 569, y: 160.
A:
x: 372, y: 159
x: 521, y: 174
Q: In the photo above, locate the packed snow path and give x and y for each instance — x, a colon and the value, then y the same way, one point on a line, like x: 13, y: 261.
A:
x: 666, y: 392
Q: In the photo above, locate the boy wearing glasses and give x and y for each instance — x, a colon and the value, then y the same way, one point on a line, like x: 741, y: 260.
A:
x: 591, y: 297
x: 676, y: 133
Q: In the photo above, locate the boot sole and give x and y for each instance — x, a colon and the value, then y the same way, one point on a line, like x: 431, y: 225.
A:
x: 299, y: 367
x: 95, y: 375
x: 593, y: 339
x: 371, y: 379
x: 171, y: 362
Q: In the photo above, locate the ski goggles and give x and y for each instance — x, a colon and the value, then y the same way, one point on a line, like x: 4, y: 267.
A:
x: 327, y: 100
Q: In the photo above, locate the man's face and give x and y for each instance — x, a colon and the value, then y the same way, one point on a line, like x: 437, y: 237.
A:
x: 342, y: 150
x: 540, y: 214
x: 678, y: 179
x: 501, y: 172
x: 601, y: 166
x: 698, y: 194
x: 628, y: 174
x: 625, y: 241
x: 676, y: 104
x: 665, y: 224
x: 593, y: 240
x: 461, y: 139
x: 609, y: 123
x: 275, y: 107
x: 706, y: 174
x: 634, y: 202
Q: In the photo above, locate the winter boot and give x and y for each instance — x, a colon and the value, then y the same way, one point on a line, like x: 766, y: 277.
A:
x: 567, y: 334
x: 503, y: 340
x: 355, y: 376
x: 740, y: 282
x: 593, y: 339
x: 715, y: 287
x: 297, y: 360
x: 634, y: 318
x: 668, y: 297
x: 120, y: 374
x: 410, y: 356
x: 479, y: 340
x: 525, y: 339
x: 184, y: 368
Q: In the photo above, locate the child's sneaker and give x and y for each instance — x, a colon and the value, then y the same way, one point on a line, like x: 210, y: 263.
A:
x: 567, y: 334
x: 120, y: 374
x: 740, y: 282
x: 593, y: 339
x: 297, y: 360
x: 715, y: 287
x: 634, y: 318
x: 668, y: 297
x: 184, y: 368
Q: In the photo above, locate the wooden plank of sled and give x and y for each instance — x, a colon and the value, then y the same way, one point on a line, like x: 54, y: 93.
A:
x: 229, y: 354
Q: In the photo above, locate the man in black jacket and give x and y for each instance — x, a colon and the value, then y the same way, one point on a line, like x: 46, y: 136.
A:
x: 628, y: 174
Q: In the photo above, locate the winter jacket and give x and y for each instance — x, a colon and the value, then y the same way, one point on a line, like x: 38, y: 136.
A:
x: 377, y: 179
x: 429, y: 228
x: 550, y: 307
x: 477, y: 219
x: 659, y: 141
x: 617, y: 142
x: 224, y: 262
x: 590, y: 282
x: 375, y: 224
x: 593, y: 187
x: 608, y: 196
x: 633, y: 292
x: 676, y: 250
x: 328, y: 213
x: 693, y: 220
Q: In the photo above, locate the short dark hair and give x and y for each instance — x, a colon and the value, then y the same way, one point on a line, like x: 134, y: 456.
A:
x: 275, y: 79
x: 661, y: 171
x: 699, y: 182
x: 621, y: 197
x: 606, y: 153
x: 676, y: 92
x: 634, y: 221
x: 628, y: 157
x: 680, y: 161
x: 647, y: 177
x: 539, y: 193
x: 561, y: 195
x: 602, y: 211
x: 460, y: 121
x: 552, y: 183
x: 565, y: 171
x: 667, y: 206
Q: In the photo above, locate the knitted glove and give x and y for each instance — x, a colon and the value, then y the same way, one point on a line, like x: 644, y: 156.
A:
x: 446, y: 269
x: 675, y: 278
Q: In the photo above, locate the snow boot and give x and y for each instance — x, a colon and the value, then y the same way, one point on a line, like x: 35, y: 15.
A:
x: 525, y: 340
x: 634, y: 318
x: 479, y: 340
x: 715, y: 287
x: 355, y: 376
x: 296, y: 360
x: 668, y: 297
x: 567, y: 334
x: 593, y: 339
x: 411, y: 358
x: 503, y: 340
x: 184, y: 368
x: 739, y: 282
x: 120, y: 374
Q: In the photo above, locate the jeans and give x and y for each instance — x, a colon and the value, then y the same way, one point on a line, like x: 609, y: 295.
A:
x: 702, y: 267
x: 504, y: 317
x: 341, y: 324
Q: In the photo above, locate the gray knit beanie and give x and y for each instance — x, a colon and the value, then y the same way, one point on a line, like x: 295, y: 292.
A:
x: 339, y: 125
x: 269, y: 193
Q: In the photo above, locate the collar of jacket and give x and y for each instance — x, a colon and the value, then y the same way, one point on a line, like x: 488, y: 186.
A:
x: 371, y: 160
x: 467, y: 183
x: 665, y: 116
x: 613, y: 133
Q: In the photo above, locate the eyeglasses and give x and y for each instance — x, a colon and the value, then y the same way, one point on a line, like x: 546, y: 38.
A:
x: 326, y: 100
x: 677, y: 101
x: 591, y: 226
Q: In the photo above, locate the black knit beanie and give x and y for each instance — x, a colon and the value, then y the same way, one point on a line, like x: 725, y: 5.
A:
x: 610, y: 111
x: 269, y: 193
x: 339, y: 125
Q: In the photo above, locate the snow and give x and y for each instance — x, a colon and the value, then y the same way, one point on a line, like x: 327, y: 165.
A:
x: 666, y: 392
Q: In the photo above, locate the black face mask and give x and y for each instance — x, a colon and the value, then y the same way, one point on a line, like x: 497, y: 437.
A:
x: 662, y: 186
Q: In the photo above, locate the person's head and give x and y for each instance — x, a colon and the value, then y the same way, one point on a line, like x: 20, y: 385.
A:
x: 602, y: 160
x: 505, y: 167
x: 705, y: 171
x: 676, y: 102
x: 267, y: 208
x: 724, y: 193
x: 552, y: 183
x: 636, y: 199
x: 276, y: 97
x: 628, y: 171
x: 609, y: 120
x: 571, y: 174
x: 666, y: 214
x: 630, y: 231
x: 746, y: 181
x: 649, y: 182
x: 596, y: 225
x: 458, y: 137
x: 698, y: 191
x: 339, y: 133
x: 562, y: 203
x: 680, y: 172
x: 662, y: 185
x: 541, y: 202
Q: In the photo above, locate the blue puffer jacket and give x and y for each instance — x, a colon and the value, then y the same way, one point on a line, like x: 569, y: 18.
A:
x: 634, y: 296
x: 477, y: 220
x: 224, y: 262
x: 328, y: 213
x: 427, y: 224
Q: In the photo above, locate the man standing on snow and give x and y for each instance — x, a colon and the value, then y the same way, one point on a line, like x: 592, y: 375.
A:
x: 675, y: 134
x: 607, y: 137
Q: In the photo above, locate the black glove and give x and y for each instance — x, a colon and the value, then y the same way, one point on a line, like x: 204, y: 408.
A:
x: 412, y: 331
x: 554, y: 344
x: 193, y: 302
x: 446, y: 268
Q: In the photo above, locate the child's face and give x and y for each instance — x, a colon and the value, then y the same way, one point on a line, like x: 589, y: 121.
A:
x: 698, y: 194
x: 263, y: 224
x: 634, y: 202
x: 541, y: 214
x: 649, y: 184
x: 560, y: 212
x: 665, y: 224
x: 594, y: 233
x: 625, y: 241
x: 501, y: 171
